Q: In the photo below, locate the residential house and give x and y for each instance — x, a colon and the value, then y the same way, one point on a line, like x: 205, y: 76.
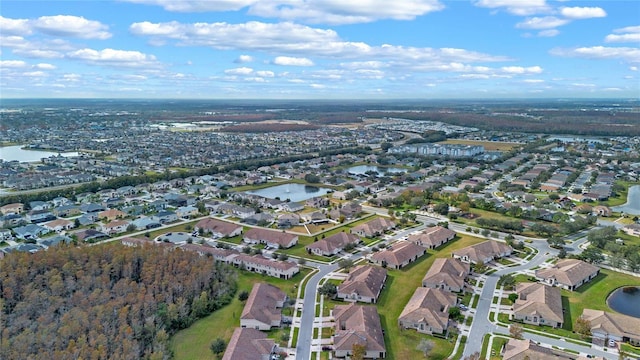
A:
x: 398, y: 255
x: 428, y: 311
x: 432, y: 237
x: 90, y: 235
x: 568, y: 273
x: 611, y: 329
x: 39, y: 216
x: 15, y: 208
x: 111, y: 214
x: 484, y: 252
x: 59, y: 225
x: 288, y: 220
x: 39, y: 205
x: 601, y: 210
x: 263, y: 309
x: 272, y: 239
x: 165, y: 217
x: 632, y: 229
x: 145, y: 223
x: 538, y: 304
x: 186, y: 212
x: 446, y: 274
x: 372, y: 228
x: 30, y: 231
x: 250, y: 344
x: 259, y: 219
x: 292, y: 206
x: 529, y: 350
x: 364, y: 283
x: 66, y: 210
x: 91, y: 208
x: 261, y: 265
x: 350, y: 210
x: 357, y: 324
x: 218, y: 228
x: 333, y: 244
x: 115, y: 227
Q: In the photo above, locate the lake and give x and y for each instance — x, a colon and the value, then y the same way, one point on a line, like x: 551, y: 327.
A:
x: 632, y: 206
x: 362, y: 169
x: 293, y: 192
x: 625, y: 302
x: 13, y: 153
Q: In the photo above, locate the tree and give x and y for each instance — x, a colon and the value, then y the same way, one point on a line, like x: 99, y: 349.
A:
x: 454, y: 313
x: 479, y: 267
x: 328, y: 289
x: 243, y: 296
x: 513, y: 297
x: 312, y: 178
x: 218, y: 346
x: 507, y: 280
x: 386, y: 146
x: 425, y: 346
x: 582, y: 327
x: 592, y: 255
x: 515, y: 330
x: 442, y: 209
x: 358, y: 351
x: 562, y: 253
x: 345, y: 264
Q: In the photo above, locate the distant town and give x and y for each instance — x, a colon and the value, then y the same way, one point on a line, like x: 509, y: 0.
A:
x: 355, y: 230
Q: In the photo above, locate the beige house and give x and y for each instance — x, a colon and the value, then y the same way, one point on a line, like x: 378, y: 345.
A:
x: 484, y: 252
x: 218, y: 228
x: 398, y: 255
x: 364, y: 284
x: 568, y: 274
x: 538, y: 304
x: 529, y: 350
x: 333, y: 244
x: 358, y: 324
x: 263, y: 309
x: 262, y: 265
x: 375, y: 227
x: 249, y: 344
x: 15, y: 208
x: 272, y: 239
x: 428, y: 311
x: 610, y: 329
x: 432, y: 237
x: 446, y: 274
x: 59, y: 225
x: 632, y: 229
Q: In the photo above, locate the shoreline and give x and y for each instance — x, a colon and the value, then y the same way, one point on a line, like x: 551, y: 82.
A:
x: 633, y: 198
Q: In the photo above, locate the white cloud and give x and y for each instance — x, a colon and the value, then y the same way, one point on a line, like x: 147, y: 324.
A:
x: 239, y: 71
x: 537, y: 23
x: 294, y: 39
x: 600, y: 52
x: 533, y: 81
x: 292, y: 61
x: 44, y: 66
x: 626, y: 34
x: 14, y: 26
x: 74, y: 26
x: 12, y: 64
x: 633, y: 68
x: 71, y: 77
x: 521, y: 70
x: 582, y: 12
x: 265, y: 73
x: 517, y: 7
x: 111, y: 57
x: 198, y: 5
x: 243, y: 59
x: 548, y: 33
x: 354, y: 65
x: 35, y: 74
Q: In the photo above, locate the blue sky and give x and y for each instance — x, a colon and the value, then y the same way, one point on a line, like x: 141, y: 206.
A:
x: 320, y: 49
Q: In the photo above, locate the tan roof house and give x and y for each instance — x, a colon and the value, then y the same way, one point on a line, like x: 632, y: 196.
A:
x: 15, y: 208
x: 115, y: 227
x: 364, y: 284
x: 632, y: 229
x: 568, y: 273
x: 261, y: 265
x: 333, y: 244
x: 398, y: 255
x: 608, y: 328
x: 249, y: 344
x: 358, y: 324
x: 218, y: 228
x: 432, y: 237
x: 428, y: 311
x: 538, y: 304
x: 263, y: 309
x: 372, y: 228
x: 59, y: 225
x: 485, y: 252
x: 529, y: 350
x: 446, y: 274
x: 272, y: 239
x: 111, y: 214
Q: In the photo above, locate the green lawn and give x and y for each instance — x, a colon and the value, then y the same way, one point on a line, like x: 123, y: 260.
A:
x: 401, y: 344
x: 193, y: 342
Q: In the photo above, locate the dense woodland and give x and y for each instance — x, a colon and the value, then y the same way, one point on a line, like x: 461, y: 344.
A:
x: 105, y: 302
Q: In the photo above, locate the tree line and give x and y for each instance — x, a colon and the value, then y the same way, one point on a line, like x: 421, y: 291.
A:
x: 105, y: 302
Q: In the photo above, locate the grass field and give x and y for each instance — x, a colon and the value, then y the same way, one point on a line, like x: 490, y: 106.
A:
x: 193, y: 343
x: 401, y: 344
x: 488, y: 145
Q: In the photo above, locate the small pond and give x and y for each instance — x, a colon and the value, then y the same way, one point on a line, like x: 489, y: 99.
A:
x: 632, y: 206
x: 293, y: 192
x: 363, y: 169
x: 626, y: 300
x: 16, y: 152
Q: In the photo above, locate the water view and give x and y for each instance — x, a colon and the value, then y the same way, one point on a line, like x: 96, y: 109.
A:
x: 16, y: 153
x: 625, y: 300
x: 293, y: 192
x: 363, y: 169
x: 632, y: 206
